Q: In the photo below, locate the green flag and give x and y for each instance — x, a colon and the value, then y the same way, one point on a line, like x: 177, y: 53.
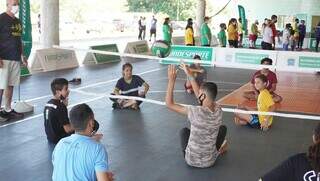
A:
x: 24, y: 16
x: 242, y: 15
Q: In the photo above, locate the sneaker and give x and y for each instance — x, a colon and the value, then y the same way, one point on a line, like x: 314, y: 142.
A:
x: 116, y: 106
x: 12, y: 114
x: 75, y: 81
x: 3, y: 119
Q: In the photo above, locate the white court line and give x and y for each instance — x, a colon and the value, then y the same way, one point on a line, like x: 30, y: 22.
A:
x: 95, y: 84
x: 39, y: 115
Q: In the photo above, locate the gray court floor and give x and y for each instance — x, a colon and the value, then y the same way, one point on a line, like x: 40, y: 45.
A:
x: 144, y: 145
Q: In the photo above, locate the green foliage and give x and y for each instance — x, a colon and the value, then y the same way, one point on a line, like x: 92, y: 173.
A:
x: 176, y: 9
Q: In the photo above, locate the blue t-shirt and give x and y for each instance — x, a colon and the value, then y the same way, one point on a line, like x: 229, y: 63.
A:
x: 78, y: 158
x: 131, y: 88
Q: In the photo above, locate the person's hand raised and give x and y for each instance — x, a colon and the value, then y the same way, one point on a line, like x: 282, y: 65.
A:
x: 172, y: 72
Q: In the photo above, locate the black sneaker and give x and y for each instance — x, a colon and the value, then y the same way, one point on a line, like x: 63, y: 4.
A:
x: 75, y: 81
x: 13, y: 114
x: 116, y: 106
x: 3, y: 117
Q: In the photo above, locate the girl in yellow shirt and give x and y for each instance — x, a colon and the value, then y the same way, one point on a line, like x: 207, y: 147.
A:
x: 232, y: 33
x: 189, y: 35
x: 264, y: 104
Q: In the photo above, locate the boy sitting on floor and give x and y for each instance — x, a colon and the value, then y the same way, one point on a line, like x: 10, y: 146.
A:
x: 56, y: 120
x: 265, y: 103
x: 198, y: 72
x: 271, y: 83
x: 129, y: 85
x: 205, y: 140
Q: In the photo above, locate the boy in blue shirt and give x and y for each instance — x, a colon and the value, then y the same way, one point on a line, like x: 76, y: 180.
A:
x: 80, y: 156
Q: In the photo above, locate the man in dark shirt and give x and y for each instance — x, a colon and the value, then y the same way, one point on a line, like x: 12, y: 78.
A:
x: 10, y: 57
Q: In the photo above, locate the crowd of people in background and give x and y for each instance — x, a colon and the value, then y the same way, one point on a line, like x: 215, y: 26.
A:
x: 233, y: 34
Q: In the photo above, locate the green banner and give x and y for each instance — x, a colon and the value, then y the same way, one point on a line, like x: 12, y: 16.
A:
x: 249, y: 58
x: 102, y: 58
x: 188, y: 52
x: 141, y: 48
x: 312, y: 44
x: 242, y: 15
x: 309, y: 62
x: 24, y: 15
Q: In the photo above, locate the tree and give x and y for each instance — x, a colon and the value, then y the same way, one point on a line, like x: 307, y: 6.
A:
x: 176, y: 9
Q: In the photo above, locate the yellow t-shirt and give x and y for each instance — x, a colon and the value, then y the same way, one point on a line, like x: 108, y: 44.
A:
x: 232, y: 32
x: 264, y: 102
x: 188, y: 38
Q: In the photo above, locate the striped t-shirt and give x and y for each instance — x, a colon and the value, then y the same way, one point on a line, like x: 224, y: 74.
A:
x: 201, y: 150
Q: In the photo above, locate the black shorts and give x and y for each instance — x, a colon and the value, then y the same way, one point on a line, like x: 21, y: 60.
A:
x: 266, y: 46
x: 152, y: 31
x: 233, y: 43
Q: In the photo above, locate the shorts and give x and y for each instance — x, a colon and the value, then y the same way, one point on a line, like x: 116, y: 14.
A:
x: 253, y: 37
x: 9, y: 74
x: 254, y: 122
x: 153, y: 31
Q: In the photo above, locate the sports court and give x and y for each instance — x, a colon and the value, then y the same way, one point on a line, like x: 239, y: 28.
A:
x: 145, y: 145
x: 92, y: 40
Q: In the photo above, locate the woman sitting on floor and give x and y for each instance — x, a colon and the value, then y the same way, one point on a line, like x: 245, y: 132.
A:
x: 129, y: 85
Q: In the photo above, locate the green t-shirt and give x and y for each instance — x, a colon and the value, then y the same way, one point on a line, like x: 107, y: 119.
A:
x: 167, y: 33
x: 205, y: 34
x: 222, y: 38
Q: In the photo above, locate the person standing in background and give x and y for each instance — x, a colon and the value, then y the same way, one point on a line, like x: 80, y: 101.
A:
x: 286, y: 37
x: 140, y: 28
x: 317, y: 34
x: 296, y: 33
x: 232, y: 33
x: 253, y: 34
x: 11, y: 55
x: 167, y: 31
x: 144, y: 27
x: 274, y: 20
x: 189, y: 34
x: 302, y: 34
x: 222, y: 35
x: 267, y: 37
x: 153, y: 28
x: 206, y: 35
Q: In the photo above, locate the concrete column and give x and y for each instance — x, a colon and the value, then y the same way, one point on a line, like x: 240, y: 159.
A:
x: 201, y: 11
x: 49, y: 23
